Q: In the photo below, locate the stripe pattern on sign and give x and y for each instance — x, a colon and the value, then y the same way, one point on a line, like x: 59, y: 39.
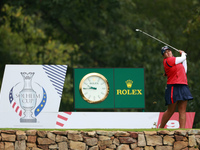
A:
x: 62, y: 118
x: 14, y: 105
x: 56, y: 74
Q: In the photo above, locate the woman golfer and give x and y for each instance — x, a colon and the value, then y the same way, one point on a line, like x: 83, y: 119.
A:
x: 177, y: 91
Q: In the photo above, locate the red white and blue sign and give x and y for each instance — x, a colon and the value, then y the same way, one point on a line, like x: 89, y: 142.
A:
x: 31, y: 95
x: 118, y: 120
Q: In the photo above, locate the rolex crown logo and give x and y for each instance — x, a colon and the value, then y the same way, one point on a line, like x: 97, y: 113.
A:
x: 129, y: 83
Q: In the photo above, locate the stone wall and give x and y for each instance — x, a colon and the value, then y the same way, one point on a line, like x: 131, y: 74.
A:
x: 99, y: 140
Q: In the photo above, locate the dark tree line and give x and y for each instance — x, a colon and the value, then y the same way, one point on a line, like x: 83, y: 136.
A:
x: 101, y: 33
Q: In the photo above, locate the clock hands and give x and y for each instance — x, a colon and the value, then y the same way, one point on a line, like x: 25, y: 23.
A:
x: 90, y: 87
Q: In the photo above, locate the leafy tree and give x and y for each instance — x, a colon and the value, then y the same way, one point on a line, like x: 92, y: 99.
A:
x: 101, y: 33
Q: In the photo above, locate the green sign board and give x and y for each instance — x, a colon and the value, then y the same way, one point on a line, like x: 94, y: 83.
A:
x: 129, y: 88
x: 109, y: 88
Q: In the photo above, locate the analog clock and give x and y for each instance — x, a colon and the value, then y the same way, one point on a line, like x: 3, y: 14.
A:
x: 94, y: 88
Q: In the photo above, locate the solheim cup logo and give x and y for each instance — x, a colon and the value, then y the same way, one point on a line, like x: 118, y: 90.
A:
x: 24, y: 95
x: 27, y: 98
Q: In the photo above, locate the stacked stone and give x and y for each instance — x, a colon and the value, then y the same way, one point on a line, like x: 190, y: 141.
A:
x: 169, y: 140
x: 99, y: 140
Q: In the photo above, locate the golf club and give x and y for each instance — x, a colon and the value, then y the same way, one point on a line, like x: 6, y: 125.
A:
x: 138, y: 30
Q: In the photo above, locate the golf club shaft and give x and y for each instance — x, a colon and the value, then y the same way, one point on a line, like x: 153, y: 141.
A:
x: 157, y: 39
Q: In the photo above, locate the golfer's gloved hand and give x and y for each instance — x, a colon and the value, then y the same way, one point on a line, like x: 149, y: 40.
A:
x: 182, y: 52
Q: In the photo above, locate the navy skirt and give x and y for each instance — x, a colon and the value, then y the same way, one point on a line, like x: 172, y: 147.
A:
x: 177, y: 92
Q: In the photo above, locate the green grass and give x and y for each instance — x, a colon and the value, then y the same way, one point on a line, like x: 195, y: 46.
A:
x: 87, y: 130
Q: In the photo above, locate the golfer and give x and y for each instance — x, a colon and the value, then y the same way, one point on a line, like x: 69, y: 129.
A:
x: 177, y: 92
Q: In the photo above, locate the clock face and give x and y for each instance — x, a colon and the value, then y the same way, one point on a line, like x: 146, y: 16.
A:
x: 94, y: 88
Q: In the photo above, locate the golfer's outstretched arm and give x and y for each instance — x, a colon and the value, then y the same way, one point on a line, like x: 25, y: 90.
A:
x: 182, y: 60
